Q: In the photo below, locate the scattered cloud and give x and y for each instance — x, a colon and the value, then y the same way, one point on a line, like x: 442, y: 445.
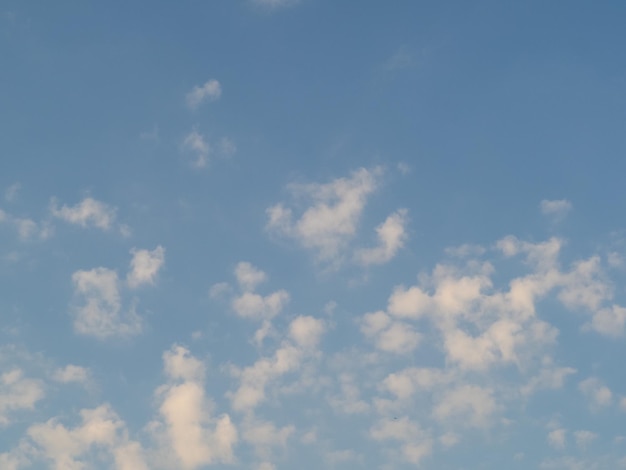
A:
x: 556, y: 209
x: 210, y: 91
x: 72, y: 373
x: 195, y: 143
x: 391, y: 238
x: 11, y: 193
x: 331, y: 220
x: 598, y: 394
x: 145, y: 266
x: 17, y: 392
x: 87, y: 213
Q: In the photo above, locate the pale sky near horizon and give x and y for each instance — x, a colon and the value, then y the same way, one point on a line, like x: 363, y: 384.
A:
x: 305, y: 234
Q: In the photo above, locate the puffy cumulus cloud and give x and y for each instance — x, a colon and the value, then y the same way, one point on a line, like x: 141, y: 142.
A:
x: 389, y: 335
x: 100, y: 437
x: 300, y: 343
x: 404, y: 383
x: 598, y: 394
x: 26, y: 229
x: 549, y: 376
x: 342, y: 457
x: 306, y: 331
x: 249, y: 276
x: 18, y: 392
x: 99, y: 311
x: 195, y: 143
x: 557, y: 209
x: 255, y: 306
x: 416, y: 443
x: 87, y: 213
x: 391, y: 238
x: 557, y: 438
x: 72, y: 374
x: 473, y: 405
x: 144, y: 266
x: 349, y: 399
x: 330, y: 222
x: 209, y: 91
x: 265, y: 437
x: 186, y: 427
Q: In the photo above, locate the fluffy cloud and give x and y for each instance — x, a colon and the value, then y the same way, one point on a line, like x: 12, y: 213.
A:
x: 557, y: 438
x: 195, y: 143
x: 87, y: 213
x: 598, y: 394
x: 145, y: 266
x: 17, y: 393
x: 331, y: 221
x: 186, y: 425
x: 72, y: 373
x: 210, y: 91
x: 416, y: 444
x: 99, y: 310
x: 249, y: 276
x: 391, y: 238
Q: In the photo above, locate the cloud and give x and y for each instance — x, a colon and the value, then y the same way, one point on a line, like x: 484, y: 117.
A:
x: 391, y: 237
x: 99, y: 311
x: 473, y: 405
x: 72, y: 373
x: 416, y: 443
x: 557, y: 438
x: 556, y: 209
x: 145, y: 266
x: 584, y: 438
x: 87, y: 213
x: 598, y: 394
x: 186, y: 425
x: 195, y: 143
x: 17, y: 393
x: 249, y: 276
x: 330, y: 222
x: 210, y: 91
x: 26, y: 228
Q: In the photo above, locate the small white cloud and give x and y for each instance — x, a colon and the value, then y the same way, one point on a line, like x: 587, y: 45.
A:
x: 195, y: 143
x: 249, y: 276
x: 210, y: 91
x: 331, y: 221
x: 87, y: 213
x: 598, y: 394
x: 556, y: 438
x: 99, y: 311
x: 306, y: 331
x: 72, y: 374
x: 556, y: 209
x: 391, y: 238
x: 219, y: 290
x: 145, y: 266
x: 17, y: 393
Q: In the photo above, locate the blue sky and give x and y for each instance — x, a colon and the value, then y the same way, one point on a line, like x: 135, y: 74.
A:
x: 303, y: 234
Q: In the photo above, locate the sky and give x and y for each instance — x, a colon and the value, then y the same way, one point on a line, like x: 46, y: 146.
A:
x: 304, y: 234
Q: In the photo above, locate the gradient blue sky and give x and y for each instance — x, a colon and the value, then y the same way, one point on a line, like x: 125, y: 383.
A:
x: 304, y: 234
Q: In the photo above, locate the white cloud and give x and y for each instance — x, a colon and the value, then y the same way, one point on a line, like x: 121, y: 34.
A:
x: 390, y: 336
x: 99, y: 311
x: 472, y: 404
x: 188, y: 428
x: 101, y: 428
x: 416, y: 443
x: 255, y: 306
x: 391, y: 237
x: 87, y: 213
x: 557, y: 208
x: 195, y: 143
x: 557, y: 438
x: 18, y: 393
x: 72, y: 373
x: 210, y: 91
x: 596, y: 392
x: 306, y: 331
x: 249, y: 276
x: 330, y: 222
x: 145, y: 266
x: 349, y: 400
